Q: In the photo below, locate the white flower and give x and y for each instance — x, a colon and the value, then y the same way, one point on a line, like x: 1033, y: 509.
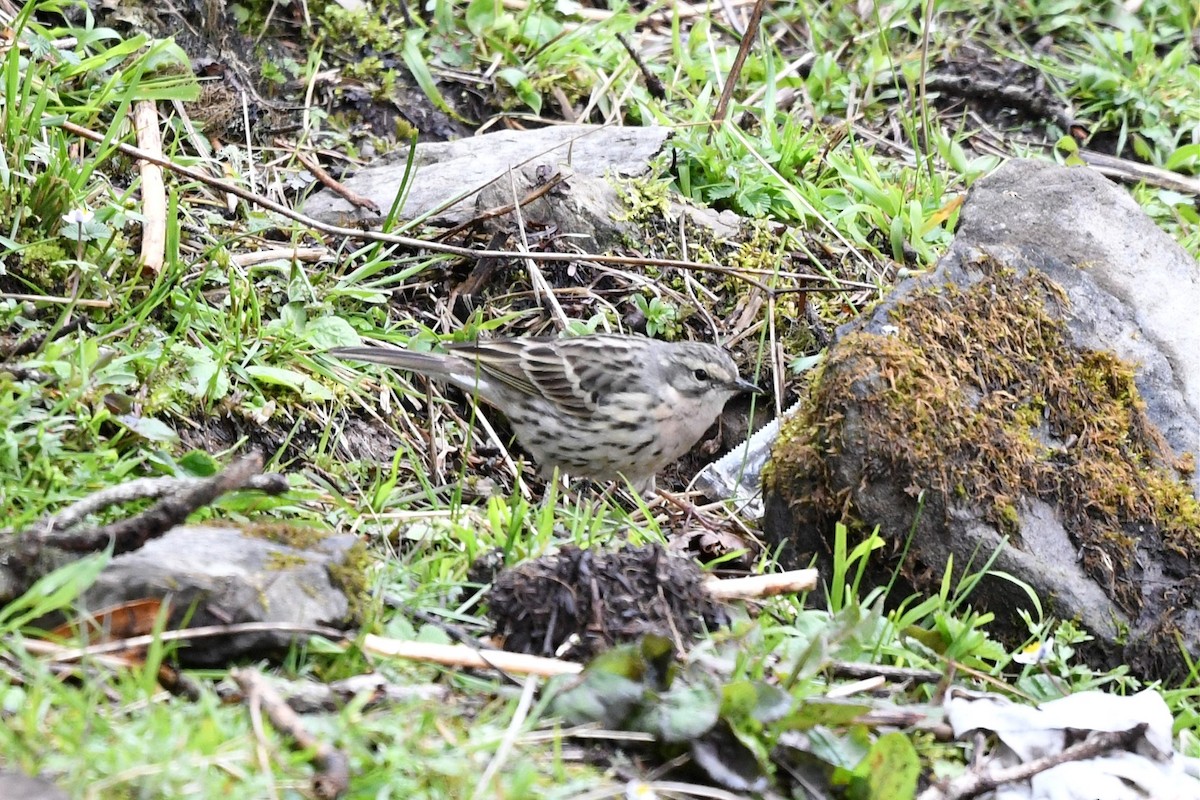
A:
x: 1035, y: 653
x: 78, y: 216
x: 639, y: 790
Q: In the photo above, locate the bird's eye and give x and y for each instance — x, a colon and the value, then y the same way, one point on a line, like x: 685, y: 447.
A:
x: 700, y: 375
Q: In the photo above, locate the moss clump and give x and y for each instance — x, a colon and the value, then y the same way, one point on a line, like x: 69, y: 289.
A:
x: 647, y: 201
x: 279, y: 561
x: 44, y: 264
x: 979, y: 397
x: 300, y: 537
x: 350, y: 574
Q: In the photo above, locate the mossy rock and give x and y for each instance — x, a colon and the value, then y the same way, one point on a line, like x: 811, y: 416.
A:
x: 968, y: 419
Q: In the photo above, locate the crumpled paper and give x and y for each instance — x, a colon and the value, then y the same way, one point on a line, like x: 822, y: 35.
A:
x: 1152, y: 769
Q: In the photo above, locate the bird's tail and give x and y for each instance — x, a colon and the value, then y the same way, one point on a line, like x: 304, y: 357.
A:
x: 424, y: 363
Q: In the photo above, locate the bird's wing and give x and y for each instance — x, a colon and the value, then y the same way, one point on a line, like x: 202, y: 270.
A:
x: 538, y: 368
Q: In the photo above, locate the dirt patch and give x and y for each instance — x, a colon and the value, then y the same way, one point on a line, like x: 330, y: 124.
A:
x: 599, y: 598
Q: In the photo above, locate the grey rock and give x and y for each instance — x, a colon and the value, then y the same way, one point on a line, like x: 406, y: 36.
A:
x: 1133, y: 290
x: 217, y: 575
x: 584, y: 208
x: 1130, y: 291
x: 448, y: 175
x: 15, y: 786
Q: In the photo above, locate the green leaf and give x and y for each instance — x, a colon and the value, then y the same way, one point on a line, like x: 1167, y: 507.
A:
x: 754, y: 700
x: 481, y: 15
x: 600, y: 696
x: 1186, y: 157
x: 296, y: 381
x: 772, y: 703
x: 720, y: 191
x: 206, y: 379
x: 891, y: 769
x: 896, y: 238
x: 328, y: 332
x: 755, y: 201
x: 1067, y: 145
x: 540, y: 29
x: 277, y: 376
x: 885, y: 201
x: 681, y: 714
x: 738, y: 700
x: 521, y: 84
x: 149, y: 428
x: 824, y: 712
x: 415, y: 61
x: 199, y: 463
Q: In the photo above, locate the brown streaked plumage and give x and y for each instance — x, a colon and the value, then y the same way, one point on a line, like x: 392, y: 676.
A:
x: 603, y: 406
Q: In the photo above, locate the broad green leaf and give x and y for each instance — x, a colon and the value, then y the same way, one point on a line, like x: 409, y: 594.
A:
x: 277, y: 376
x: 327, y: 332
x: 599, y: 696
x: 149, y: 428
x: 680, y: 715
x: 296, y: 381
x: 891, y: 769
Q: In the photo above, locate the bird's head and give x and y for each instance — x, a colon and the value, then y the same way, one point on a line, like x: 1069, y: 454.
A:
x: 705, y: 373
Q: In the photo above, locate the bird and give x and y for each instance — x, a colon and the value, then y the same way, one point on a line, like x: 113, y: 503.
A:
x: 605, y: 407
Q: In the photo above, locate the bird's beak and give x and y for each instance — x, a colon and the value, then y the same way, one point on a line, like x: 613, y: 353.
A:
x: 743, y: 385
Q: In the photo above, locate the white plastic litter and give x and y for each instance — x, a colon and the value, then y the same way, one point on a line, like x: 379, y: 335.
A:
x: 1151, y: 769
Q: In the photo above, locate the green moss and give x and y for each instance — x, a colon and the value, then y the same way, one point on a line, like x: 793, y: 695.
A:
x: 301, y: 537
x: 356, y: 37
x: 350, y: 574
x: 44, y: 264
x: 979, y: 397
x: 646, y: 200
x: 279, y: 561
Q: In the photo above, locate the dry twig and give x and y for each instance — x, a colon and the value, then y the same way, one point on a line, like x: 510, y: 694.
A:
x: 522, y: 664
x: 973, y: 784
x: 180, y: 497
x: 34, y: 343
x: 332, y: 777
x: 352, y: 197
x: 739, y: 60
x: 30, y: 553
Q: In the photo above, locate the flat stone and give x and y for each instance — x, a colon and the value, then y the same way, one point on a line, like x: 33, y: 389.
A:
x: 216, y: 575
x: 449, y: 174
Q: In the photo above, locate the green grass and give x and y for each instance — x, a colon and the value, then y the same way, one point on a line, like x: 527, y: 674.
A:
x: 858, y: 163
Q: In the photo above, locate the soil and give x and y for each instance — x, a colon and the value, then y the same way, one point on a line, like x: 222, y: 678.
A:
x: 594, y: 599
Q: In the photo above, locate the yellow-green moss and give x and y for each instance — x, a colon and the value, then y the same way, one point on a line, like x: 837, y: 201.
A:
x: 979, y: 396
x: 350, y: 575
x: 647, y: 201
x: 280, y: 560
x: 759, y: 249
x: 301, y: 537
x: 44, y: 264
